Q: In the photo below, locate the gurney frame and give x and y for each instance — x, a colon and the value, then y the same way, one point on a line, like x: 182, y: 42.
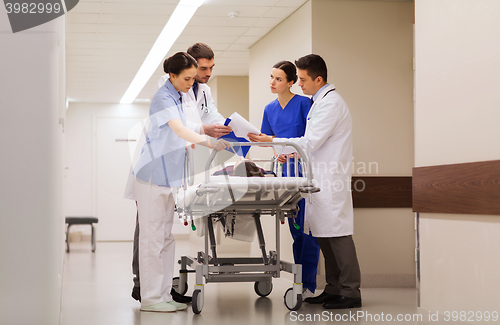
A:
x: 260, y: 270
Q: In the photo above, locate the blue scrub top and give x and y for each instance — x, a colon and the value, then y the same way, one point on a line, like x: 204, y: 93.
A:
x: 162, y: 156
x: 288, y: 122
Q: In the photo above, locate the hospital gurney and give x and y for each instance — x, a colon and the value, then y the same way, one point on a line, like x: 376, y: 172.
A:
x: 221, y: 199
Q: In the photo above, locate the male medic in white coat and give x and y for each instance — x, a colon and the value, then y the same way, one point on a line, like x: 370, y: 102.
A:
x: 329, y: 213
x: 202, y: 117
x: 198, y: 103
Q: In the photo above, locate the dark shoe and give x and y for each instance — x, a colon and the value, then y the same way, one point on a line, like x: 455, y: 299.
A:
x: 322, y: 298
x: 180, y: 298
x: 343, y: 303
x: 136, y: 293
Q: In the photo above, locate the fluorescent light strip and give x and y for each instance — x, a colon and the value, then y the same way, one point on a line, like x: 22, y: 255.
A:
x: 172, y: 30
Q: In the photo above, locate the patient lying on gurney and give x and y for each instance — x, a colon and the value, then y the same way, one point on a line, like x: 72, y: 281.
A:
x: 244, y: 168
x: 242, y: 226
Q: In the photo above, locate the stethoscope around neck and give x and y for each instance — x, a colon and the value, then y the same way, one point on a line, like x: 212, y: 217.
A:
x: 204, y: 107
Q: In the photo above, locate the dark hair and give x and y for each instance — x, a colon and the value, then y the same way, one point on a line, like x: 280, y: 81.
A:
x: 178, y: 62
x: 247, y: 169
x: 314, y: 65
x: 289, y: 69
x: 201, y: 51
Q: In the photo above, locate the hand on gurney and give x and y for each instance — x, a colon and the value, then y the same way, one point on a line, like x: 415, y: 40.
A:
x: 282, y: 158
x: 218, y: 145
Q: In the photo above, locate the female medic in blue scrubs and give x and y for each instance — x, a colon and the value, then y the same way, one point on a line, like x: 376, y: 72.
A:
x: 159, y: 172
x: 286, y: 117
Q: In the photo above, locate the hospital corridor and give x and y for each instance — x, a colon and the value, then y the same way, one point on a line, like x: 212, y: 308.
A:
x: 96, y: 290
x: 249, y: 162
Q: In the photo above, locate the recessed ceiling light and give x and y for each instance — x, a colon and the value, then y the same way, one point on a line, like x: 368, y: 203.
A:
x: 174, y: 27
x: 142, y: 100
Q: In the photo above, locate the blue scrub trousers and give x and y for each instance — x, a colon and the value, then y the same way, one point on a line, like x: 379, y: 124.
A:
x: 305, y: 246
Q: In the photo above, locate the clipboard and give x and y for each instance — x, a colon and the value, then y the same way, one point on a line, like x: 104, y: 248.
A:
x: 241, y: 151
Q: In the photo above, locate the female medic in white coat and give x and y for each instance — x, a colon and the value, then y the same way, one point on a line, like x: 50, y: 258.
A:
x: 329, y: 213
x: 158, y: 172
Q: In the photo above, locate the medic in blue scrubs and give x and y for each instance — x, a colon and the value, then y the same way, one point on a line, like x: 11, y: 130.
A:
x: 286, y: 117
x: 158, y: 173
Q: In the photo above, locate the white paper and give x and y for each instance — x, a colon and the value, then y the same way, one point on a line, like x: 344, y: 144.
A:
x: 241, y: 127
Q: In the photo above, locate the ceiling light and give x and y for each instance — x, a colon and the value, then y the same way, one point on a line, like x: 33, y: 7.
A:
x: 174, y: 27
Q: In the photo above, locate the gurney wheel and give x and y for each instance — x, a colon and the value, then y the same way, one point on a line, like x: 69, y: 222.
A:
x: 263, y: 289
x: 197, y: 303
x: 289, y: 300
x: 175, y: 286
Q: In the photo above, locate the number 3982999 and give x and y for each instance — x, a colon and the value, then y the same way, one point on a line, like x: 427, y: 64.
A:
x: 33, y: 8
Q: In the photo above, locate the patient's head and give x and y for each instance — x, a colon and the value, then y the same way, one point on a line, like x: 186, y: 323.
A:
x: 246, y: 168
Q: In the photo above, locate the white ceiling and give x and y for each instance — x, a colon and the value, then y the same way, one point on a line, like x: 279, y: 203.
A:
x: 107, y: 40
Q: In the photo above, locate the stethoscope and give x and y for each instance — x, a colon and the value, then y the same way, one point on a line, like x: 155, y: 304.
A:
x: 206, y: 105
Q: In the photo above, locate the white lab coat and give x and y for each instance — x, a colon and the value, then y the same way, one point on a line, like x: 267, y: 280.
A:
x: 328, y: 142
x: 196, y: 114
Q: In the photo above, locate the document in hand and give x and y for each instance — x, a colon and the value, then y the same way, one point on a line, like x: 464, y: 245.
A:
x: 241, y: 127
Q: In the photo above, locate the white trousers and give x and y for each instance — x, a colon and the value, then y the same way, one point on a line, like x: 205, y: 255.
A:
x: 155, y: 205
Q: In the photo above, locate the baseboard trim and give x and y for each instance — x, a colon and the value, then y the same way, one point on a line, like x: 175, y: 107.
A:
x: 379, y: 281
x: 388, y: 281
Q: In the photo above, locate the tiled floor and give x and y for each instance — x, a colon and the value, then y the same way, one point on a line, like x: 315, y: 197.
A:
x: 97, y: 287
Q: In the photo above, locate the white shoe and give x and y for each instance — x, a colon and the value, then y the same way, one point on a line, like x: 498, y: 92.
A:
x: 162, y: 307
x: 306, y: 293
x: 178, y: 305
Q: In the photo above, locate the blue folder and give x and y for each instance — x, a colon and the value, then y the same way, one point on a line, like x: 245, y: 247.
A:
x: 231, y: 137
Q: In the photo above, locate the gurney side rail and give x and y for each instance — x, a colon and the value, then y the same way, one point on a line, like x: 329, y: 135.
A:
x: 307, y: 172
